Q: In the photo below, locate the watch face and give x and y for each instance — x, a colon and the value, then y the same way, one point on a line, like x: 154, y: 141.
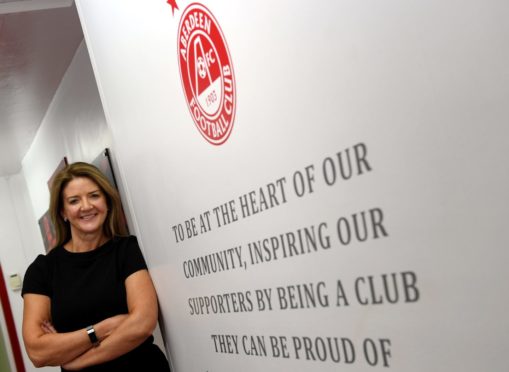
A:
x: 92, y: 335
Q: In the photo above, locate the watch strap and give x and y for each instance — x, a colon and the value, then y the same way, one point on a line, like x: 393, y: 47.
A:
x: 93, y: 337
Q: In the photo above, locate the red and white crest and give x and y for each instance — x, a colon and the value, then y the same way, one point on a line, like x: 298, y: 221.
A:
x: 206, y: 72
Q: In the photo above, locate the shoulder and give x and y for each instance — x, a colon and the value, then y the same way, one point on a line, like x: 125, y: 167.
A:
x: 43, y: 264
x: 52, y: 254
x: 125, y: 241
x: 38, y: 275
x: 43, y: 261
x: 40, y: 262
x: 125, y: 246
x: 129, y: 254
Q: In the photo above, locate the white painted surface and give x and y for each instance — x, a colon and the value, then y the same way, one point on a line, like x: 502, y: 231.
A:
x: 21, y: 241
x: 36, y: 49
x: 423, y: 85
x: 17, y: 6
x: 74, y: 126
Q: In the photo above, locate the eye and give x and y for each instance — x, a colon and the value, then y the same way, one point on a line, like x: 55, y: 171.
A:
x: 95, y: 195
x: 73, y: 201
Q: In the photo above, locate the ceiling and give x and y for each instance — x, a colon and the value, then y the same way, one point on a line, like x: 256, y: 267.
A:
x: 38, y: 39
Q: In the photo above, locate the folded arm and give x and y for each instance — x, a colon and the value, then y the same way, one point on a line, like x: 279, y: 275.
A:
x: 136, y: 328
x: 47, y: 348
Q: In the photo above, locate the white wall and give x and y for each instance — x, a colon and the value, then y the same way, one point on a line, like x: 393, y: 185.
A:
x: 422, y: 84
x: 74, y: 126
x: 21, y: 242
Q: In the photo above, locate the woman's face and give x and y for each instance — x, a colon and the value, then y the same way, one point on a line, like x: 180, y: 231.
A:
x: 84, y: 206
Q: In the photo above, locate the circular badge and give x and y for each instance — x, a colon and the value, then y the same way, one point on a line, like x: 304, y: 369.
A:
x: 206, y: 72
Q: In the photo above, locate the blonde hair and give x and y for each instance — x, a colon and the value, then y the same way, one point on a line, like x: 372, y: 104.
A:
x: 114, y: 224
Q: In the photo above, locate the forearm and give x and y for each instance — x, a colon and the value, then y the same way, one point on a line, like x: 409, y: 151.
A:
x: 54, y: 349
x: 57, y: 348
x: 130, y: 334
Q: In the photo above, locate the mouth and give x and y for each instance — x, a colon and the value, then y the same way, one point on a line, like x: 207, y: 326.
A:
x: 88, y: 217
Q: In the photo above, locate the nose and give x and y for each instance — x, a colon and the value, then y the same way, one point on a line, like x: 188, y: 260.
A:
x: 85, y: 205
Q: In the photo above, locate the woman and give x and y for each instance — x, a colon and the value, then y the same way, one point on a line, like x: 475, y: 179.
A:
x: 89, y: 304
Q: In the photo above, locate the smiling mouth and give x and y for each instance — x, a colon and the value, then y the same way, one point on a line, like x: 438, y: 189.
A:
x: 88, y: 217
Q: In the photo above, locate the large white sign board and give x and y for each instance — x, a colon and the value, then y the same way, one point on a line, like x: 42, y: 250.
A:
x: 355, y: 216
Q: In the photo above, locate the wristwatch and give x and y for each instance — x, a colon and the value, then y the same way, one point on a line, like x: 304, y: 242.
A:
x: 92, y: 336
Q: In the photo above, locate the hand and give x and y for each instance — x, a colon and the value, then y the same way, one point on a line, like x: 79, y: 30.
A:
x: 47, y: 327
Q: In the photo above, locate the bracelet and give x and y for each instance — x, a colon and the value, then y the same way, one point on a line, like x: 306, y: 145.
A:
x: 92, y: 336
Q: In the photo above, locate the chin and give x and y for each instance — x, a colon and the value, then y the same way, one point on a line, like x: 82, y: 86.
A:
x: 90, y: 228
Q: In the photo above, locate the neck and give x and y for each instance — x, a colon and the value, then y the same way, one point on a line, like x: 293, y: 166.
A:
x: 85, y: 242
